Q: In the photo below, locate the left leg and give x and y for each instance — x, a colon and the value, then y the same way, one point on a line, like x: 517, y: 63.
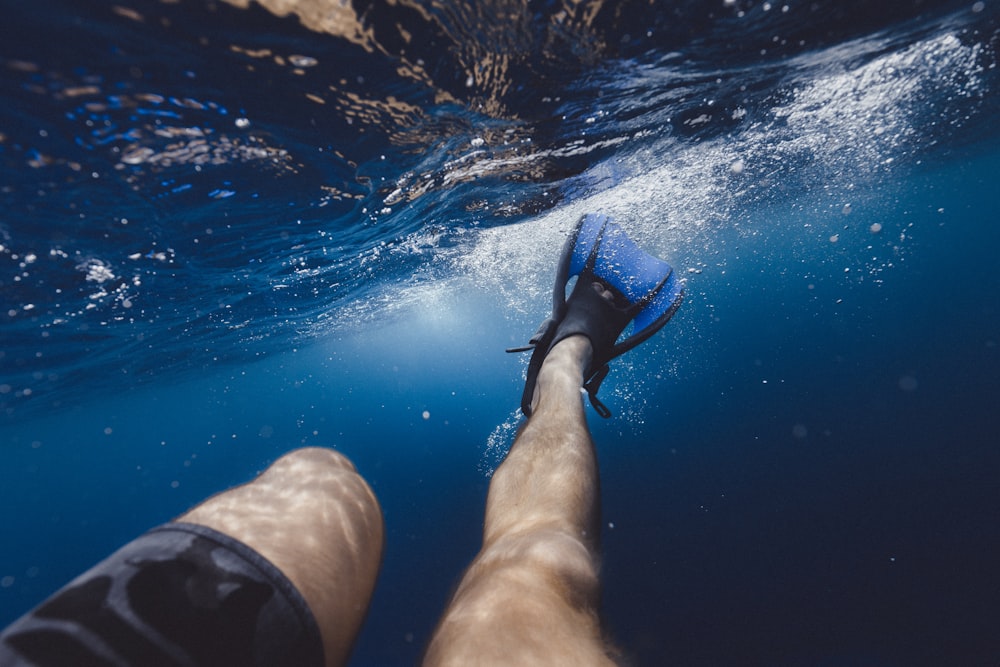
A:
x: 314, y: 517
x: 277, y: 571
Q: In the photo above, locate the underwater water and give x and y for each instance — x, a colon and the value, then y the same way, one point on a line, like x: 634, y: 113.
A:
x: 228, y: 229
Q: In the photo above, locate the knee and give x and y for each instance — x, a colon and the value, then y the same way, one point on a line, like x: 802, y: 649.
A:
x: 325, y: 475
x: 317, y: 456
x: 314, y: 458
x: 569, y: 562
x: 552, y: 559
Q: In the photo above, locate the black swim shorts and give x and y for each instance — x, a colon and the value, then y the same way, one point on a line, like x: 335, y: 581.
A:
x: 181, y: 594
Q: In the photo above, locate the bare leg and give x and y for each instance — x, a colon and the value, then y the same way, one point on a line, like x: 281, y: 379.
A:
x: 314, y: 518
x: 530, y: 596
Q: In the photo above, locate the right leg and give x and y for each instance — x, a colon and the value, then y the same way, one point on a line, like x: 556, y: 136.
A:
x: 530, y: 596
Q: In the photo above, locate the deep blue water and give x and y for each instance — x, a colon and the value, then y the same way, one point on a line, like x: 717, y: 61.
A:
x: 224, y: 234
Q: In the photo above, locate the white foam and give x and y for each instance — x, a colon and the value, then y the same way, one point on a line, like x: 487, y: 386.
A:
x: 97, y: 271
x: 839, y: 128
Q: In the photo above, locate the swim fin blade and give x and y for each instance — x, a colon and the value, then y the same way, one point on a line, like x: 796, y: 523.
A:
x: 646, y: 287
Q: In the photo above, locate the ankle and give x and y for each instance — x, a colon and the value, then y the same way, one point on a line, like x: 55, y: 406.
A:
x: 561, y: 375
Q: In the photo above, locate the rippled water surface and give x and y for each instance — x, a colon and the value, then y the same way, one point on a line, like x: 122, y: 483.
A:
x: 230, y: 228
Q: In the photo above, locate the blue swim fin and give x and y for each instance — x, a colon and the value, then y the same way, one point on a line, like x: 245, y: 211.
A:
x: 644, y: 291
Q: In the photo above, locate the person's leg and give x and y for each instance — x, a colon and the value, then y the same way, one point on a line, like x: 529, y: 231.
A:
x: 531, y: 595
x: 314, y: 517
x: 277, y: 571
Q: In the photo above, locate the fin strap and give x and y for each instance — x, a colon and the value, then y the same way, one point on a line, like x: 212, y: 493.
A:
x: 539, y: 345
x: 593, y: 385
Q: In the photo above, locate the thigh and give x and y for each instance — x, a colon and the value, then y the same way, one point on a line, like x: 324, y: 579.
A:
x: 181, y: 594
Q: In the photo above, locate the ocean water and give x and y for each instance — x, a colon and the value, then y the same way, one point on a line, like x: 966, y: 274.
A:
x: 230, y: 229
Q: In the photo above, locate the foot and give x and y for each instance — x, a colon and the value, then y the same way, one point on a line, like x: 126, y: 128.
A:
x: 616, y: 283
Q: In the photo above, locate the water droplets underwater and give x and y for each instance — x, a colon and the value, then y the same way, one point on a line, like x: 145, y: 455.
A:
x: 187, y: 184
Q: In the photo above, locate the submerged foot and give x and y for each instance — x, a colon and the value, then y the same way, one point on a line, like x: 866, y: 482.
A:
x: 617, y: 283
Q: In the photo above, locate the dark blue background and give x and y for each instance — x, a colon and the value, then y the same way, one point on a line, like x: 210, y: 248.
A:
x: 803, y: 466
